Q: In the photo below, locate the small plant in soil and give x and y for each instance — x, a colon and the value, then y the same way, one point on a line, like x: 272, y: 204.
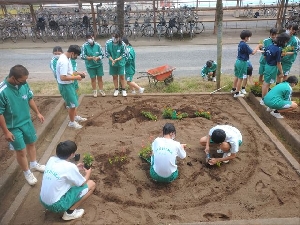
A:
x: 118, y: 158
x: 204, y: 114
x: 256, y: 89
x: 146, y: 150
x: 170, y: 113
x: 149, y: 115
x: 88, y: 160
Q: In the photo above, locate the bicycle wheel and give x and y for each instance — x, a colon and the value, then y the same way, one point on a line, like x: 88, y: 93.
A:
x: 250, y: 13
x: 158, y: 29
x: 13, y: 34
x: 192, y: 32
x: 33, y: 35
x: 199, y: 27
x: 181, y: 32
x: 150, y: 31
x: 43, y: 35
x: 134, y: 33
x: 64, y: 34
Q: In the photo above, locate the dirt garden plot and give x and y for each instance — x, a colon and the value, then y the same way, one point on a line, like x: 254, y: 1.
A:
x: 259, y: 183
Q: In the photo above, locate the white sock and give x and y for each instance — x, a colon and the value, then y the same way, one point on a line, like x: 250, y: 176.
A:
x: 26, y: 173
x: 33, y: 164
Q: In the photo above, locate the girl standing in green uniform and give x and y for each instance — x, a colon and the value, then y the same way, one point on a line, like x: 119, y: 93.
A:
x: 92, y: 53
x: 130, y: 68
x: 115, y: 51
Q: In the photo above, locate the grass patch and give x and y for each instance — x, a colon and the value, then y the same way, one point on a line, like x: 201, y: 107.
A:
x: 179, y: 85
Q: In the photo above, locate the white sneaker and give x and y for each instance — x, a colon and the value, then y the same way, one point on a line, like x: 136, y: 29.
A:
x: 116, y: 92
x: 75, y: 215
x: 261, y: 102
x: 102, y: 93
x: 74, y: 125
x: 124, y: 93
x: 277, y: 115
x: 133, y: 92
x: 232, y: 91
x: 142, y: 90
x: 80, y: 119
x: 239, y: 95
x: 95, y: 93
x: 226, y: 154
x: 269, y: 109
x: 38, y: 167
x: 31, y: 179
x: 220, y: 151
x: 243, y: 91
x: 214, y: 79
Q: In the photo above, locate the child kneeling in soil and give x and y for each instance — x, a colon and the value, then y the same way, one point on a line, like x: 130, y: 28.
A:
x: 209, y: 71
x: 278, y: 99
x: 229, y: 139
x: 63, y: 187
x: 164, y: 152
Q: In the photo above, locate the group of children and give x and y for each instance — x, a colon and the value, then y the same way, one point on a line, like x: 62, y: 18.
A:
x: 122, y: 66
x: 279, y: 52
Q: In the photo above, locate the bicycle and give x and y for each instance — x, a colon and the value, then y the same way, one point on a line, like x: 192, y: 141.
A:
x: 248, y: 12
x: 171, y: 27
x: 161, y: 27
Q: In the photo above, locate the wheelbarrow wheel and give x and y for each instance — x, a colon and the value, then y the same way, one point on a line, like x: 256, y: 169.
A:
x: 169, y: 80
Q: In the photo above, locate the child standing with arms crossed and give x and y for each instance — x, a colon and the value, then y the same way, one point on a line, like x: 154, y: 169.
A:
x: 130, y: 68
x: 240, y: 67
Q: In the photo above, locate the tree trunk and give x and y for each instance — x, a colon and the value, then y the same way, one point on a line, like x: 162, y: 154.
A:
x: 219, y: 20
x: 120, y: 16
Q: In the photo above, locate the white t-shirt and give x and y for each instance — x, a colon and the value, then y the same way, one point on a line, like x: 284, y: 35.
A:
x: 165, y: 152
x: 233, y: 136
x: 64, y: 67
x: 59, y: 176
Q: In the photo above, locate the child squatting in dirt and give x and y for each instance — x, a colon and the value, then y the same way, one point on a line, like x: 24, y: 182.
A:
x: 229, y: 139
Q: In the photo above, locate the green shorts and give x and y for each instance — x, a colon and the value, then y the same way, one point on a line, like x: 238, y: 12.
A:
x: 95, y: 72
x: 117, y: 70
x: 282, y: 104
x: 240, y: 68
x: 129, y: 77
x: 158, y: 178
x: 286, y: 68
x: 73, y: 195
x: 270, y: 74
x: 76, y: 86
x: 69, y: 94
x: 23, y: 135
x: 261, y: 68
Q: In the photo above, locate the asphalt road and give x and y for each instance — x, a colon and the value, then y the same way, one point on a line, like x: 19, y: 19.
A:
x: 188, y: 60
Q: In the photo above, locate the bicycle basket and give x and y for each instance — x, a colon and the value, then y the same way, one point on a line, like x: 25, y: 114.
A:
x: 40, y: 25
x: 53, y: 25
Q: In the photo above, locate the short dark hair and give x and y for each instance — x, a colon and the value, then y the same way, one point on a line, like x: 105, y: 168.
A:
x: 292, y: 80
x: 282, y: 39
x: 65, y: 149
x: 245, y: 33
x: 273, y: 30
x: 125, y: 40
x: 218, y: 136
x: 89, y: 35
x: 209, y: 63
x: 295, y: 27
x: 169, y: 128
x: 18, y: 71
x: 57, y: 49
x: 75, y: 48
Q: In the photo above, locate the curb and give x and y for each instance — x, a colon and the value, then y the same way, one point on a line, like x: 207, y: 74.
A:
x: 7, y: 180
x: 283, y: 125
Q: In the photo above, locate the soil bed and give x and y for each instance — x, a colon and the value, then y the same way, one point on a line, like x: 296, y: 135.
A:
x: 259, y: 183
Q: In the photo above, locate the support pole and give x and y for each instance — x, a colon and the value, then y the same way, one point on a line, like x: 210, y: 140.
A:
x: 94, y: 20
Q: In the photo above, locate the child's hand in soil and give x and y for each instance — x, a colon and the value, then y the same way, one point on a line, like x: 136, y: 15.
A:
x: 212, y: 161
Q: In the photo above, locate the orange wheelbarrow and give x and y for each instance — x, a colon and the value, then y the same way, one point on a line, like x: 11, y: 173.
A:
x: 163, y: 73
